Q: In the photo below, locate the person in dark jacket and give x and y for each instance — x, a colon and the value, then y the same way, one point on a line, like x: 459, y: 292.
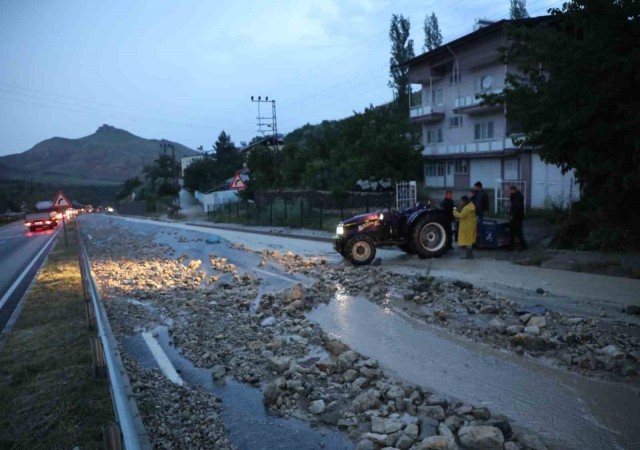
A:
x: 480, y: 199
x: 447, y: 205
x: 516, y: 216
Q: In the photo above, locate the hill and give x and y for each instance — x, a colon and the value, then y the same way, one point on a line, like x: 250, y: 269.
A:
x: 108, y: 155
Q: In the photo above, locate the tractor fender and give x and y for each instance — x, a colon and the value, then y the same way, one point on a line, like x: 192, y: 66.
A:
x: 421, y: 213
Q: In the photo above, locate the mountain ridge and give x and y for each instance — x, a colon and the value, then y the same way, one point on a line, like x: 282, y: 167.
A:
x: 109, y: 154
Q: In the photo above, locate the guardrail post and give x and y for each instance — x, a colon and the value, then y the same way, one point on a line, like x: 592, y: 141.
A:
x: 99, y: 366
x: 91, y: 315
x: 111, y: 437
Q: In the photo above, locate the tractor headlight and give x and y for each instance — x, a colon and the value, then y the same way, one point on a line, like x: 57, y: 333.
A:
x: 381, y: 216
x: 340, y: 230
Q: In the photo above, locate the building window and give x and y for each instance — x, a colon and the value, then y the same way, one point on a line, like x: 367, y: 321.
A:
x: 455, y: 76
x: 434, y: 169
x: 435, y: 98
x: 434, y: 136
x: 461, y: 167
x: 455, y: 121
x: 484, y: 83
x: 483, y: 131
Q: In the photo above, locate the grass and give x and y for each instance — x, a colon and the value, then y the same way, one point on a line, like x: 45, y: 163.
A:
x: 49, y: 398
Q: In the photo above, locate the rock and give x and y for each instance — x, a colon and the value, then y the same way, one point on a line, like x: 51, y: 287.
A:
x: 325, y: 366
x: 385, y: 426
x: 532, y: 330
x: 272, y: 392
x: 448, y: 435
x: 463, y: 409
x: 412, y: 430
x: 537, y: 321
x: 317, y: 407
x: 524, y: 318
x: 395, y: 392
x: 428, y: 427
x: 482, y: 413
x: 530, y: 442
x: 502, y: 423
x: 575, y: 320
x: 434, y: 443
x: 376, y: 262
x: 497, y: 325
x: 219, y: 371
x: 350, y: 375
x: 359, y: 383
x: 489, y: 309
x: 611, y: 351
x: 404, y: 442
x: 365, y: 444
x: 435, y: 412
x: 435, y: 399
x: 519, y: 339
x: 515, y: 329
x: 366, y: 400
x: 346, y: 360
x: 442, y: 315
x: 279, y: 363
x: 540, y: 291
x: 375, y: 438
x: 481, y: 437
x: 213, y: 239
x: 462, y: 284
x: 633, y: 310
x: 268, y: 322
x: 453, y: 423
x: 335, y: 347
x: 512, y: 446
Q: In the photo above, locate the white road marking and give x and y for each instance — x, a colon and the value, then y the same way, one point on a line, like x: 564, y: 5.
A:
x: 13, y: 287
x: 162, y: 359
x: 275, y: 275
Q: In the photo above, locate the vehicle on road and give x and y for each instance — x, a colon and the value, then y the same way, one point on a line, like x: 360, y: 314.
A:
x: 420, y: 230
x: 41, y: 221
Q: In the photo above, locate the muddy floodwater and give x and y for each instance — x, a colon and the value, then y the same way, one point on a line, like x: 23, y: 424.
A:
x: 568, y: 410
x: 250, y: 425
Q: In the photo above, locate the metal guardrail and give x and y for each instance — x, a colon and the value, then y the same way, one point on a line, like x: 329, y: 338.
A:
x: 133, y: 434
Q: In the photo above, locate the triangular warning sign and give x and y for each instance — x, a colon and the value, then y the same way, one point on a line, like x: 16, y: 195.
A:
x: 237, y: 182
x: 61, y: 201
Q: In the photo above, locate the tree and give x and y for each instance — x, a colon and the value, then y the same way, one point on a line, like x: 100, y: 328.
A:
x: 518, y: 9
x: 432, y: 35
x: 401, y: 52
x: 575, y: 97
x: 213, y: 170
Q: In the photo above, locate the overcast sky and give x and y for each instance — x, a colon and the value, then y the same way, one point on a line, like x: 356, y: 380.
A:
x: 185, y: 70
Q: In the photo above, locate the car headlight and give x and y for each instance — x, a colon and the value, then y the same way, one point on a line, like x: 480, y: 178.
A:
x: 340, y: 230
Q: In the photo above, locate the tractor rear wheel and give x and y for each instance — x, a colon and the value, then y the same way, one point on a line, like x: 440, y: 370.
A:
x: 360, y: 250
x: 429, y: 237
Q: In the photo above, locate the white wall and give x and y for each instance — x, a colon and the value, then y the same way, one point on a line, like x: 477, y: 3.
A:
x: 216, y: 199
x: 485, y: 171
x: 550, y: 186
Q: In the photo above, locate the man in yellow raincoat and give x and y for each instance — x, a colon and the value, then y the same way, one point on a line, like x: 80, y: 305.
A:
x: 468, y: 226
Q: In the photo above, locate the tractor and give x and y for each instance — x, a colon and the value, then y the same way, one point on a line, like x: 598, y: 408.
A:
x: 418, y: 230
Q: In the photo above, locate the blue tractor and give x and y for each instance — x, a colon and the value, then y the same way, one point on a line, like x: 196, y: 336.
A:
x: 418, y: 230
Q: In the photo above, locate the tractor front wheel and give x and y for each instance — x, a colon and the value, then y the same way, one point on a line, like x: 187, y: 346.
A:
x: 360, y: 250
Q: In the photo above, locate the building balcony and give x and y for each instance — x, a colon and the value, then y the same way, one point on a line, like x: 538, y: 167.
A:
x: 472, y: 104
x: 426, y: 114
x: 469, y: 148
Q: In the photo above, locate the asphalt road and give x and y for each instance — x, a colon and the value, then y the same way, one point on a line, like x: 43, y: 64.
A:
x: 21, y: 255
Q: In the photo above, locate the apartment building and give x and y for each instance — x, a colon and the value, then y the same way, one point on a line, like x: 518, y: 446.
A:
x: 466, y: 141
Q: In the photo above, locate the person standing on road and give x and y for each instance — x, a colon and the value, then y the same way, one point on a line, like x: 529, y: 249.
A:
x: 480, y: 200
x: 516, y: 217
x: 447, y: 205
x: 467, y: 228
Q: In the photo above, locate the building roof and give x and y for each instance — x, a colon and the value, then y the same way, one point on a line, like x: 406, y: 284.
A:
x: 443, y: 50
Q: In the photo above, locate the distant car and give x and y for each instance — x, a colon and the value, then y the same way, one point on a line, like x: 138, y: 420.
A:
x: 40, y: 221
x: 374, y: 184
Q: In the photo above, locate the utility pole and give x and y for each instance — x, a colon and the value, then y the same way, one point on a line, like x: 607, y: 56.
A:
x: 263, y: 121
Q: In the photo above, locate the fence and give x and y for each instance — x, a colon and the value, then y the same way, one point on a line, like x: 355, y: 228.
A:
x: 308, y: 209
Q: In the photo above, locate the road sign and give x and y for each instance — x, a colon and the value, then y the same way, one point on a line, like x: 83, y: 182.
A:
x: 61, y: 201
x: 237, y: 182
